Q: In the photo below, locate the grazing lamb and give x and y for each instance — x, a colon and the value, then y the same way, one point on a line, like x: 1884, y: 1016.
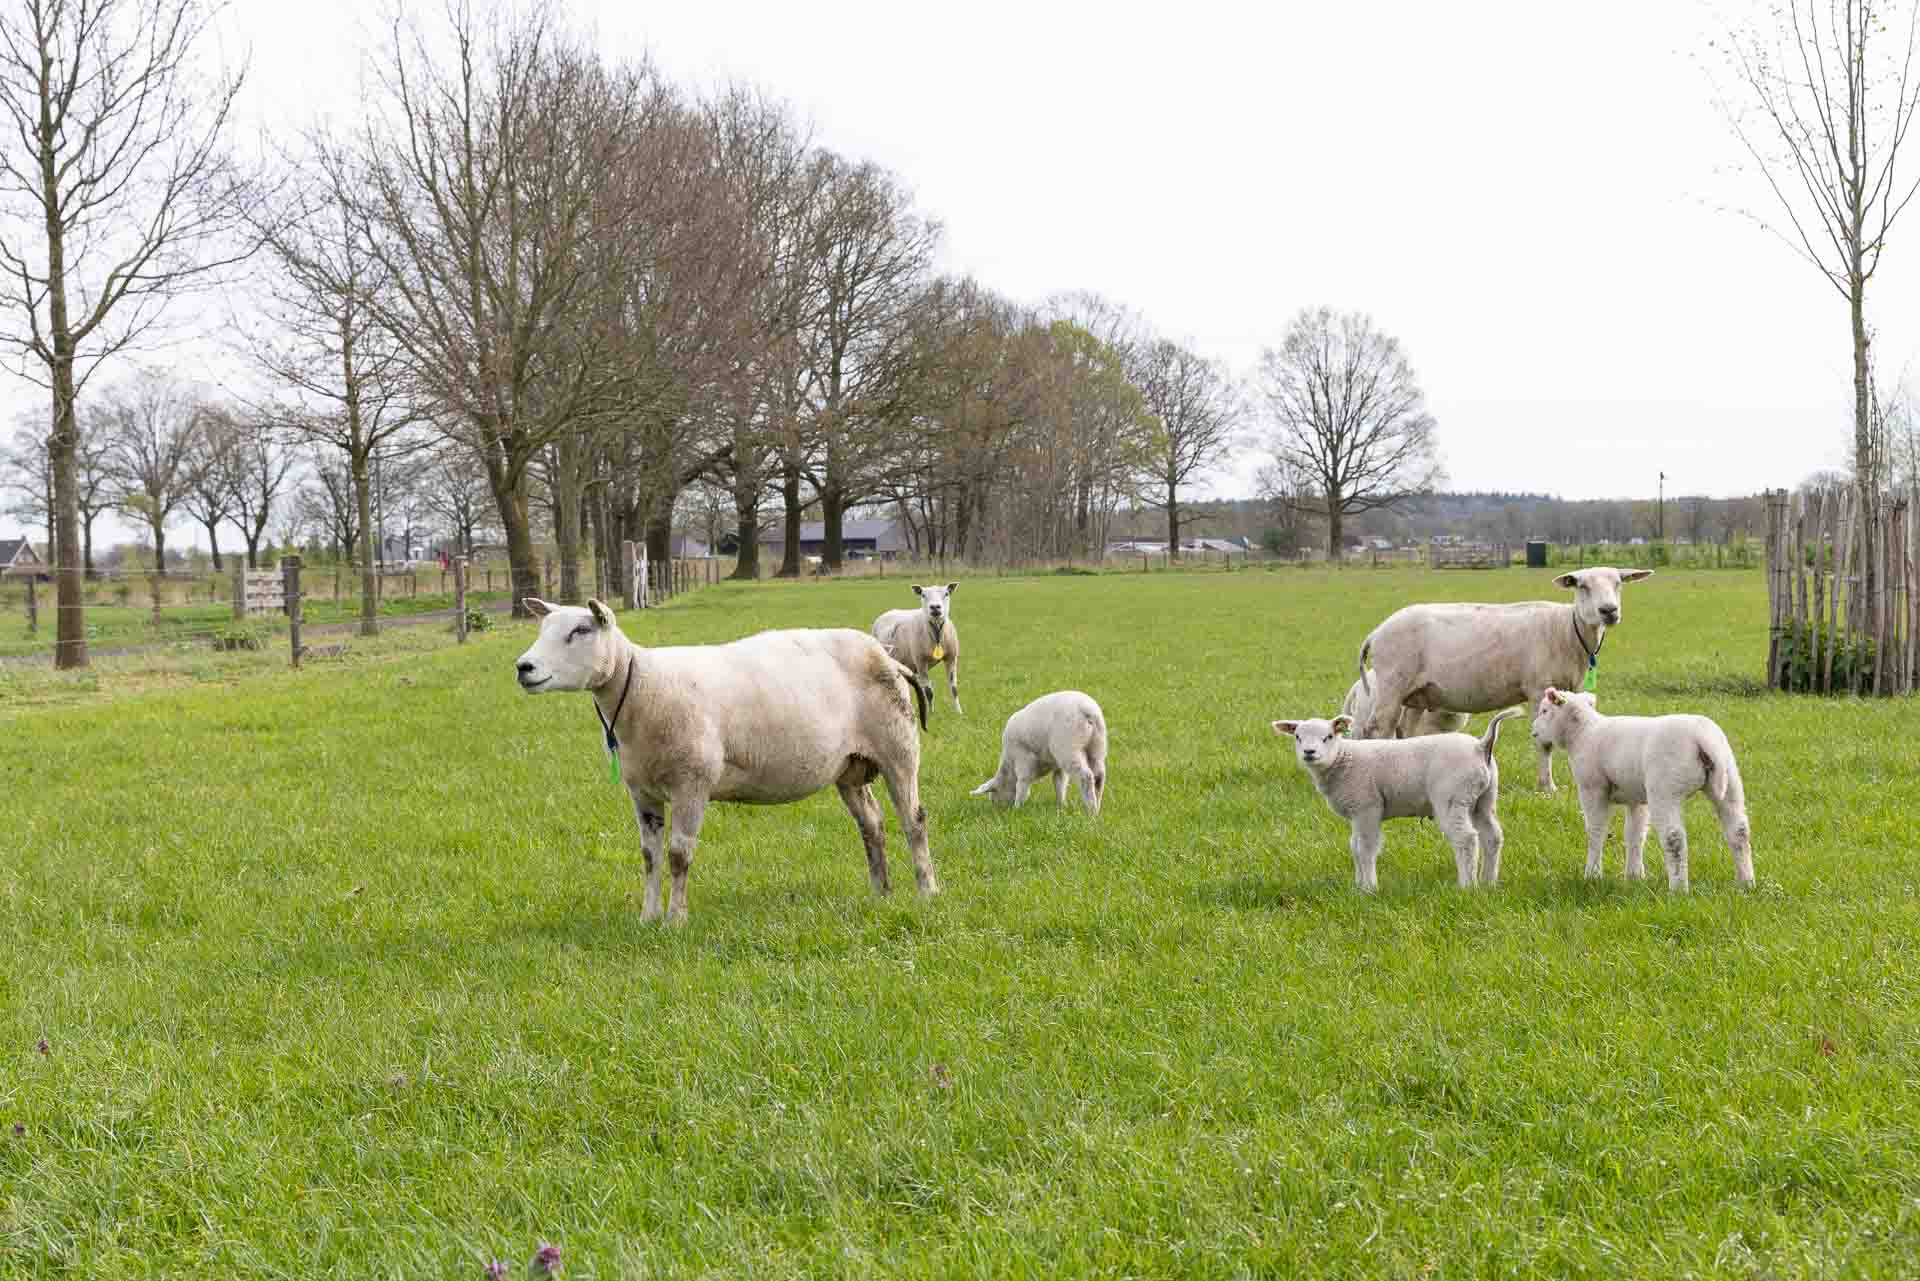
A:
x: 1450, y: 778
x: 925, y: 636
x: 1063, y: 734
x: 766, y: 720
x: 1474, y: 658
x: 1413, y: 724
x: 1650, y: 764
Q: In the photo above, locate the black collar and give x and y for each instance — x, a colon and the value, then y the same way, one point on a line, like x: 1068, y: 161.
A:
x: 1593, y: 655
x: 626, y: 687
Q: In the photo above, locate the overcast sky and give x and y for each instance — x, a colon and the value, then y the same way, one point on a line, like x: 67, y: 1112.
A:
x: 1533, y: 198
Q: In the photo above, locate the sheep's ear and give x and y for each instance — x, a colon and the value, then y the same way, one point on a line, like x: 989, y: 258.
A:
x: 984, y: 788
x: 1285, y: 728
x: 1554, y: 696
x: 602, y: 616
x: 917, y: 591
x: 1343, y: 724
x: 535, y: 606
x: 1635, y: 575
x: 1567, y: 580
x: 952, y: 588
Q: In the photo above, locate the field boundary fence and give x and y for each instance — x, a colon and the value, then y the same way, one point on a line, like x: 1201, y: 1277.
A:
x: 1843, y: 592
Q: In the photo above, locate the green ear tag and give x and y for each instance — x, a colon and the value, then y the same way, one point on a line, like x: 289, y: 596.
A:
x: 613, y: 758
x: 1589, y: 683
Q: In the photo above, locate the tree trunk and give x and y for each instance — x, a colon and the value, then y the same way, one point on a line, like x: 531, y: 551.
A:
x: 159, y: 566
x: 213, y: 541
x: 833, y: 518
x: 86, y: 545
x: 363, y: 507
x: 790, y: 541
x: 70, y: 623
x: 522, y: 572
x: 1864, y: 463
x: 566, y: 517
x: 746, y: 512
x: 1173, y: 523
x: 1336, y: 550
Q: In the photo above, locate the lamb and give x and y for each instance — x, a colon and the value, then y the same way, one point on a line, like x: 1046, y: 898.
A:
x: 1450, y: 778
x: 1413, y: 724
x: 925, y: 636
x: 1650, y: 764
x: 1063, y: 734
x: 1474, y: 658
x: 766, y: 720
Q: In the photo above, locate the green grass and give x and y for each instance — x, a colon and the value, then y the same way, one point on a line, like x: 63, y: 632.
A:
x: 341, y: 975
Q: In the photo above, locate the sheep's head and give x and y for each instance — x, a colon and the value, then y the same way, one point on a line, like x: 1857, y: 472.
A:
x: 1557, y: 710
x: 999, y: 787
x: 1316, y: 744
x: 1596, y: 592
x: 936, y: 600
x: 576, y: 648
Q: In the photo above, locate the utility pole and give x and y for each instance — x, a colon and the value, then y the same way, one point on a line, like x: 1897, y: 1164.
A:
x: 1661, y: 510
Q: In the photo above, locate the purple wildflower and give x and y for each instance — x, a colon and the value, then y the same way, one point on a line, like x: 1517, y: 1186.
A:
x: 19, y: 1129
x: 43, y: 1047
x: 497, y: 1270
x: 546, y: 1260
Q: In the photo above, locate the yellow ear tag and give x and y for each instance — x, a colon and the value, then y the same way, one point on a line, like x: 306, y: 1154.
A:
x: 939, y: 652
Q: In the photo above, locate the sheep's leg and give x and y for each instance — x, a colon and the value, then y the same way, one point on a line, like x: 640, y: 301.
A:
x: 653, y: 846
x: 1457, y: 824
x: 1732, y: 809
x: 1636, y: 842
x: 1388, y: 703
x: 903, y: 785
x: 1671, y: 823
x: 1598, y: 812
x: 922, y: 677
x: 1022, y: 782
x: 953, y: 679
x: 686, y: 814
x: 1486, y: 825
x: 1543, y: 777
x: 1089, y: 784
x: 865, y: 808
x: 1366, y: 844
x: 1059, y: 788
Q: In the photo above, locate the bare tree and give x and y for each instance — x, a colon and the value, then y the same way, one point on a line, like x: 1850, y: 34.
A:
x: 329, y: 500
x: 28, y: 475
x: 152, y: 426
x: 1821, y: 96
x: 1197, y: 412
x: 207, y: 496
x: 454, y: 490
x: 256, y: 470
x: 1348, y: 417
x: 116, y: 195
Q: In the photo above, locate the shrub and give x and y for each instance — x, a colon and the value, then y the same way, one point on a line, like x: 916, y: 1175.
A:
x: 479, y: 620
x: 1804, y: 646
x: 240, y: 638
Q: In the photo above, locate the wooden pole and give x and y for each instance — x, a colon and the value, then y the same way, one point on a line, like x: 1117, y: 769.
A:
x: 33, y: 609
x: 239, y: 590
x: 290, y: 570
x: 460, y: 598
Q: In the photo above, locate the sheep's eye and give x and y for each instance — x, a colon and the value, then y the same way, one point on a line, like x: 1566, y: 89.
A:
x: 578, y: 631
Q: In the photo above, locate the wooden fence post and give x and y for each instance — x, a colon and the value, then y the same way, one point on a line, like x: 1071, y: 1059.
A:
x: 290, y: 569
x: 33, y: 610
x: 460, y: 598
x: 239, y: 590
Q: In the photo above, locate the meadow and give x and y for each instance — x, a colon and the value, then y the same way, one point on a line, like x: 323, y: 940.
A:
x: 339, y: 973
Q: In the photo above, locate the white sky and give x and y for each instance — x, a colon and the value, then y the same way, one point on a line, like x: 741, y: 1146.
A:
x: 1532, y: 197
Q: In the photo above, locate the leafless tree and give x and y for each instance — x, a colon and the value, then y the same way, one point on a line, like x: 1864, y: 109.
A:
x: 117, y: 194
x: 28, y: 475
x: 454, y: 489
x: 329, y: 500
x: 256, y: 471
x: 1348, y: 417
x: 207, y: 496
x: 151, y: 425
x: 1821, y: 94
x: 1197, y: 412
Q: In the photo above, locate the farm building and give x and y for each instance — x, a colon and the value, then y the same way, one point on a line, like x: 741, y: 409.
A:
x: 881, y: 538
x: 19, y: 560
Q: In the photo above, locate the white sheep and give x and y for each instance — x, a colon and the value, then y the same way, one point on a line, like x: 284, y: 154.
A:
x: 1474, y: 658
x: 1413, y: 724
x: 1450, y: 778
x: 1063, y: 734
x: 925, y: 636
x: 1650, y: 764
x: 766, y: 720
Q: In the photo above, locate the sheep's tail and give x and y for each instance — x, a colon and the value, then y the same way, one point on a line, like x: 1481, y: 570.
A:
x: 919, y: 695
x: 1366, y: 649
x: 1716, y: 756
x: 1491, y: 734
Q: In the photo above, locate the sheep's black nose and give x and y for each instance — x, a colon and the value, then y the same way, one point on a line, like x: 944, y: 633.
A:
x: 1611, y: 615
x: 524, y: 666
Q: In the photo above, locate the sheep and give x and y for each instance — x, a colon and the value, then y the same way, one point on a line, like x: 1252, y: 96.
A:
x: 1063, y: 734
x: 1450, y: 778
x: 1474, y: 658
x: 1413, y: 724
x: 769, y: 719
x: 1650, y: 764
x: 925, y: 636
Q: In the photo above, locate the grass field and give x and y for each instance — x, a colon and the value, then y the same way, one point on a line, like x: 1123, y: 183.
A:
x: 340, y: 974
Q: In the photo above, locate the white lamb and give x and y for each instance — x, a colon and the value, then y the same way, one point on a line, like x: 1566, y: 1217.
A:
x: 1414, y: 723
x: 1450, y: 778
x: 925, y: 636
x: 1063, y: 734
x: 1650, y: 764
x: 766, y: 720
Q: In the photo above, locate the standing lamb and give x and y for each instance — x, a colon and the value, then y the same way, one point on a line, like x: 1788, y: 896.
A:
x: 1063, y: 734
x: 766, y: 720
x: 1650, y: 764
x: 1474, y: 658
x: 1450, y: 778
x: 1413, y: 724
x: 925, y: 636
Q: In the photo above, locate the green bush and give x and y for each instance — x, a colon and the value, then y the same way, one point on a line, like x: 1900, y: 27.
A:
x: 1804, y: 646
x: 240, y: 638
x: 479, y: 620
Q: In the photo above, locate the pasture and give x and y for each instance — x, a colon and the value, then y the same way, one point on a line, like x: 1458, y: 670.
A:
x: 339, y: 974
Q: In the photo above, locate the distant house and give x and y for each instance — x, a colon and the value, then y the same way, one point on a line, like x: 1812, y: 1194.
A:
x: 1136, y: 547
x: 1225, y: 546
x: 19, y: 560
x: 881, y: 538
x: 687, y: 547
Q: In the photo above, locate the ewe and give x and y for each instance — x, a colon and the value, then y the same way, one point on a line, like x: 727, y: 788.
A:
x: 1474, y: 658
x: 925, y: 636
x: 1449, y: 778
x: 1063, y: 734
x: 1650, y: 764
x: 769, y: 719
